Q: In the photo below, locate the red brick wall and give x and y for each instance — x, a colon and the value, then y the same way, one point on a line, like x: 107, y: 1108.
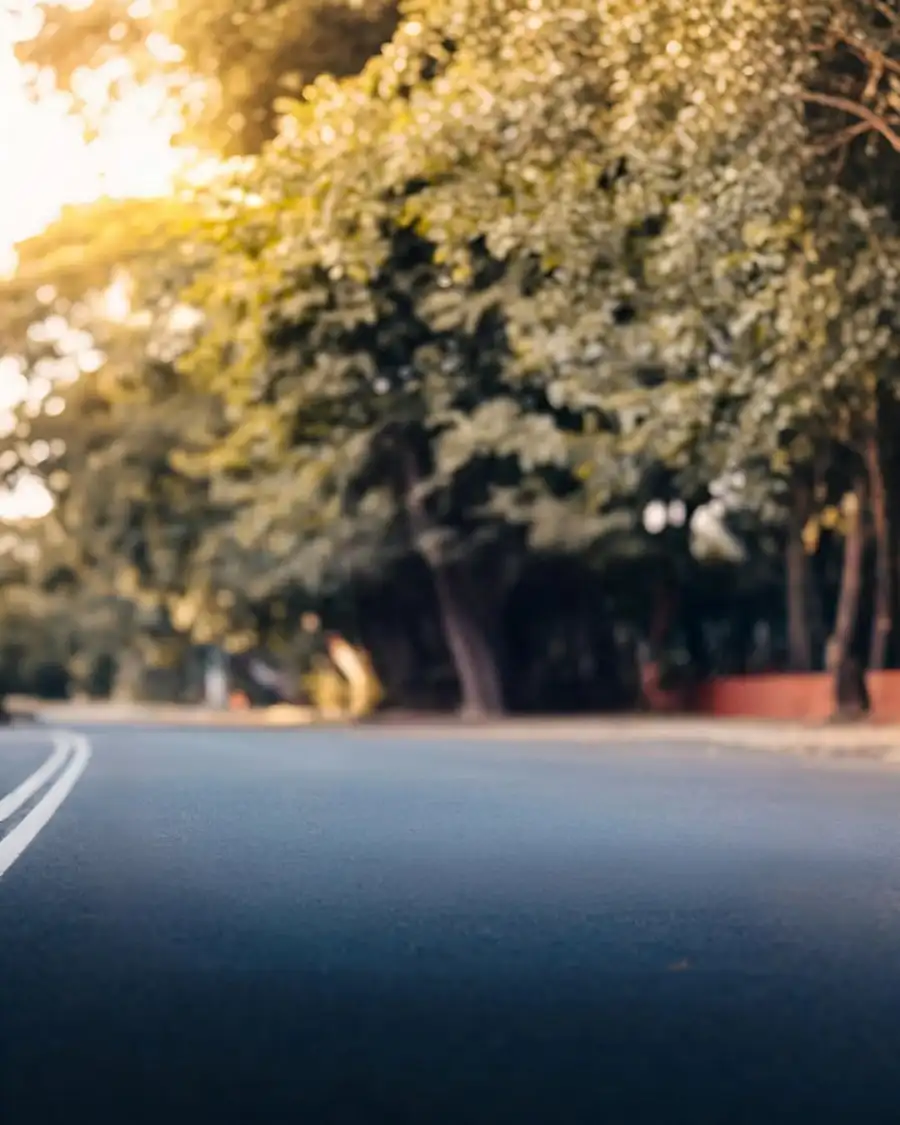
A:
x: 792, y: 696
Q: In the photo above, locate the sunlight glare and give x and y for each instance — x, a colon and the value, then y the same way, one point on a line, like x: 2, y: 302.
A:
x: 13, y: 384
x: 53, y: 164
x: 28, y: 499
x: 47, y: 163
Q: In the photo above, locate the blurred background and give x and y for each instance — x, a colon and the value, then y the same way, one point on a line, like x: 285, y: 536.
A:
x: 419, y: 358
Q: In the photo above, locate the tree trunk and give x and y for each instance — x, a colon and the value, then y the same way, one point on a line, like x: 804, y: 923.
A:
x: 651, y: 654
x: 797, y: 588
x: 462, y: 612
x: 849, y: 685
x: 131, y: 676
x: 817, y: 620
x: 474, y: 657
x: 883, y: 602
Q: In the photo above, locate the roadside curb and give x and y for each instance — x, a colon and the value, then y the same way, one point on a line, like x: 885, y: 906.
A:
x: 861, y: 743
x: 867, y: 742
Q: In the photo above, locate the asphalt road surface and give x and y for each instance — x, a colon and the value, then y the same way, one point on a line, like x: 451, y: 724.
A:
x: 341, y: 929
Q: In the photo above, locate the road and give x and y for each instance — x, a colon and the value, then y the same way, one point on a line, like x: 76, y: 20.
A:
x: 344, y: 929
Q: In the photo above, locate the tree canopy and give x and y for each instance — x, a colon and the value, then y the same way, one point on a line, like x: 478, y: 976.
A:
x: 577, y: 311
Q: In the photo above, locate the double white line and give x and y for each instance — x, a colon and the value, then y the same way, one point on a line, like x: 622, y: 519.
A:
x: 66, y: 764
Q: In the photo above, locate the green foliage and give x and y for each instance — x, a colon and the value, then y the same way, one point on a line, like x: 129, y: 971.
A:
x: 476, y: 301
x: 629, y: 181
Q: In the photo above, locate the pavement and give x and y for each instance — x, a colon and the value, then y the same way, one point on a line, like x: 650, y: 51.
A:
x: 863, y: 740
x: 357, y: 928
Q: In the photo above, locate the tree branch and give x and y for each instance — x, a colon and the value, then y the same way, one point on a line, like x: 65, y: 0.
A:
x: 866, y: 116
x: 878, y: 60
x: 839, y: 140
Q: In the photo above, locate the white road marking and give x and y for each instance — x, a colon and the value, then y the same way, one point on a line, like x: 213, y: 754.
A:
x: 26, y: 831
x: 12, y: 802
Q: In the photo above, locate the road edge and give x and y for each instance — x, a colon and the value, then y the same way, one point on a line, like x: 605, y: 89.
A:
x: 860, y: 741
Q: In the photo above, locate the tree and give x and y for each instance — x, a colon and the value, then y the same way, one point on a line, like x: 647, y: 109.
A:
x: 379, y: 422
x: 482, y: 264
x: 854, y: 94
x: 90, y: 319
x: 458, y: 320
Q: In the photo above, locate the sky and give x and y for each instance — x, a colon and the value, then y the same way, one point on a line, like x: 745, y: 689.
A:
x: 46, y: 163
x: 52, y: 164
